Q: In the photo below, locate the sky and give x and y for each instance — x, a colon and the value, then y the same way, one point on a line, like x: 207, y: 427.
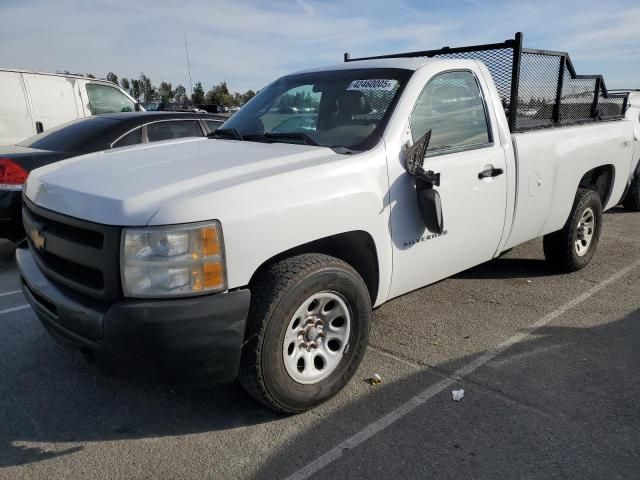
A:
x: 250, y: 43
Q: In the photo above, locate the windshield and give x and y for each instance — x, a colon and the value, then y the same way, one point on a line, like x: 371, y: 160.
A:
x: 337, y: 109
x: 82, y: 135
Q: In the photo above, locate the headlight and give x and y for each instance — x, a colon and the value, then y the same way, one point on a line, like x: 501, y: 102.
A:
x: 178, y: 260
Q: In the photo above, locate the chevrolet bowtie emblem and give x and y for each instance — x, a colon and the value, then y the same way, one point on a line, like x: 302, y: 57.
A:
x: 37, y: 238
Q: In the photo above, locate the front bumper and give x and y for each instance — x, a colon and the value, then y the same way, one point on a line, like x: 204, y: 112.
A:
x: 194, y: 340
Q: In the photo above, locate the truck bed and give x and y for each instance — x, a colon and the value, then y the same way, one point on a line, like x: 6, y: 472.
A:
x: 549, y: 165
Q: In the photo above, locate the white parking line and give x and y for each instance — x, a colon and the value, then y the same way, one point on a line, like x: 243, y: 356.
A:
x: 14, y: 309
x: 395, y: 415
x: 13, y: 292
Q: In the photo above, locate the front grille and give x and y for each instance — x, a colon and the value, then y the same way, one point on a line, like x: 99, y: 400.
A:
x: 79, y: 254
x: 88, y: 276
x: 68, y: 232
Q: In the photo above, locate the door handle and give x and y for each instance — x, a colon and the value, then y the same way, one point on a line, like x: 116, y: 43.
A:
x: 490, y: 173
x: 39, y: 127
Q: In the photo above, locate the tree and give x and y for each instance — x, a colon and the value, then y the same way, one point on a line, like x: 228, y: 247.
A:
x: 135, y: 88
x: 124, y: 82
x: 248, y: 95
x: 219, y: 95
x: 180, y: 95
x: 147, y: 89
x: 90, y: 75
x: 112, y: 77
x: 165, y: 90
x: 198, y: 94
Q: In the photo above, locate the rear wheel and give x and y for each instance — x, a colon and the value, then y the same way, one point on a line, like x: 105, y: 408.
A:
x: 307, y: 332
x: 573, y: 247
x: 632, y: 199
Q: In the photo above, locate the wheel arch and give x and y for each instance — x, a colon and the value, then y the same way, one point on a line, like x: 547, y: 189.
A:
x: 601, y: 180
x: 357, y: 248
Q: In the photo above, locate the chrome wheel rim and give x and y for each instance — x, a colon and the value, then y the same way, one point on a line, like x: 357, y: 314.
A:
x: 586, y: 229
x: 317, y: 337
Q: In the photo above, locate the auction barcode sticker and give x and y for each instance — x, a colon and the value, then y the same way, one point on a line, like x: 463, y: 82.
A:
x: 374, y: 84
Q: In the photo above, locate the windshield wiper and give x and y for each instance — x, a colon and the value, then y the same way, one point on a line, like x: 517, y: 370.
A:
x: 291, y: 136
x: 231, y: 133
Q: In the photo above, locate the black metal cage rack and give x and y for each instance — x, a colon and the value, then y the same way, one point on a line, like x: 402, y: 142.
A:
x: 538, y: 88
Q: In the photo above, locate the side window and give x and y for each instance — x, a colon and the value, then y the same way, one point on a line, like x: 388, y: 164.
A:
x: 213, y: 125
x: 173, y: 129
x: 105, y: 99
x: 451, y: 106
x: 132, y: 138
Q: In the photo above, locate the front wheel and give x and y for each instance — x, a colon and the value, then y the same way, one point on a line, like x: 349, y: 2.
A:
x: 573, y: 247
x: 307, y: 332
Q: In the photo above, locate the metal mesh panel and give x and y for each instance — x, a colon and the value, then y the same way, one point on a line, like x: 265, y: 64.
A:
x: 539, y: 79
x: 577, y: 98
x: 612, y: 107
x: 537, y: 90
x: 499, y: 62
x: 378, y: 103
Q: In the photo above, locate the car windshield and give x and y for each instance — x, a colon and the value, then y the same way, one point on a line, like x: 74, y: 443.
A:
x: 340, y: 109
x: 76, y: 136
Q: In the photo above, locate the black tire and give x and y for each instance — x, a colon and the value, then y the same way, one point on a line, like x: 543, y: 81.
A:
x: 276, y: 294
x: 559, y: 247
x: 632, y: 198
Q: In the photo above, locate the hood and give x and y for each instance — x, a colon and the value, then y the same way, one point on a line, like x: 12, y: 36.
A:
x: 127, y: 186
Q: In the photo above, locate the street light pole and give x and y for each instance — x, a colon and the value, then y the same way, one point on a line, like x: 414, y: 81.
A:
x: 186, y: 49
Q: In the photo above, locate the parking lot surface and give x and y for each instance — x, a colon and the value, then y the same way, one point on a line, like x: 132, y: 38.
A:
x: 549, y: 366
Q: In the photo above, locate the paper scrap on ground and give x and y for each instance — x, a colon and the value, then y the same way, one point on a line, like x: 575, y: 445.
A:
x: 457, y: 395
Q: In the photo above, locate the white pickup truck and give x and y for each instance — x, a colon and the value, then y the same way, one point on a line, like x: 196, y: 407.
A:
x: 260, y: 252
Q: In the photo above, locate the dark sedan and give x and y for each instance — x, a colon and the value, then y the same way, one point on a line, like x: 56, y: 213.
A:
x: 82, y: 136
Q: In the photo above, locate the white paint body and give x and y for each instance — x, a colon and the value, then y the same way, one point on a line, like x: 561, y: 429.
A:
x: 270, y: 198
x: 52, y: 99
x: 633, y: 114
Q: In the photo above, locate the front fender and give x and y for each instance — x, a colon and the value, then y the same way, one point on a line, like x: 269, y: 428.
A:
x: 264, y: 217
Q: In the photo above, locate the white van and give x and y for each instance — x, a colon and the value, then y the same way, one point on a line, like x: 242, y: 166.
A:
x: 32, y: 102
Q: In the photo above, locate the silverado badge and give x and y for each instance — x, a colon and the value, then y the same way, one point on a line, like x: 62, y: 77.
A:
x: 37, y: 238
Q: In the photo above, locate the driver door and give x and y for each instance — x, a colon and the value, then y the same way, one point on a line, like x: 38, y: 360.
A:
x: 473, y: 186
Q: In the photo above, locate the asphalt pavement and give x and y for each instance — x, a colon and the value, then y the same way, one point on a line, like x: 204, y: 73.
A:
x: 549, y: 365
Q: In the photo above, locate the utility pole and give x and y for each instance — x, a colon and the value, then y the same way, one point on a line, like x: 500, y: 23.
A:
x: 186, y: 49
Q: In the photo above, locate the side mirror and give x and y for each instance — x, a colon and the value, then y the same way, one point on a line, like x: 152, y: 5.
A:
x: 416, y: 154
x: 137, y: 107
x: 431, y: 209
x: 428, y: 199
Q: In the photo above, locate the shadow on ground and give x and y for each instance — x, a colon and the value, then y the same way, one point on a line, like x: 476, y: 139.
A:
x: 538, y: 411
x: 509, y: 267
x: 563, y: 404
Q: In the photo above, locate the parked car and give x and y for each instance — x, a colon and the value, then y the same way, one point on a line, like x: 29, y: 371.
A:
x: 223, y: 109
x: 33, y: 102
x: 82, y: 136
x: 154, y: 106
x: 259, y: 255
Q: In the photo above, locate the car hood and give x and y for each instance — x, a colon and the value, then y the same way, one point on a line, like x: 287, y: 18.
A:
x: 127, y: 186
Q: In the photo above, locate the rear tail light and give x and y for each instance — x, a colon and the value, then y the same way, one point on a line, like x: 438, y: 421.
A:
x: 12, y: 175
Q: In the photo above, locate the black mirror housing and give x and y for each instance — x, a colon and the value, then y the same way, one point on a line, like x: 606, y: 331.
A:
x: 431, y: 209
x: 429, y: 201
